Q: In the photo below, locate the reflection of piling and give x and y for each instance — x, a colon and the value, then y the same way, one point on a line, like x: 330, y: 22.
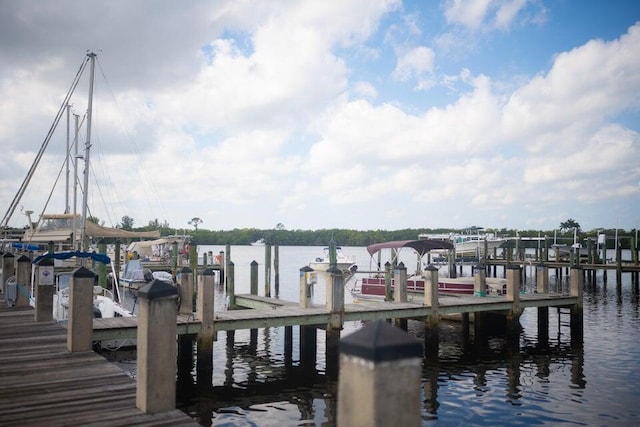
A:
x: 380, y: 371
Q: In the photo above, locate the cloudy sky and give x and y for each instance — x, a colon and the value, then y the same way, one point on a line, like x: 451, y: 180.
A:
x: 361, y: 114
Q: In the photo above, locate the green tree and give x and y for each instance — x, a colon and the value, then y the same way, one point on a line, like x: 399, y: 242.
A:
x: 195, y: 222
x: 126, y: 223
x: 570, y: 224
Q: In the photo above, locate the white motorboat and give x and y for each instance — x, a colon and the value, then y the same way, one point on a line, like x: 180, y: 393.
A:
x: 343, y: 262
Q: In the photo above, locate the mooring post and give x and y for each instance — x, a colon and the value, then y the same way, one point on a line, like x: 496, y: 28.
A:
x: 432, y: 322
x: 306, y: 287
x: 542, y: 287
x: 80, y: 315
x: 400, y: 290
x: 45, y: 278
x: 479, y: 281
x: 400, y: 282
x: 231, y: 284
x: 174, y: 259
x: 156, y: 348
x: 204, y: 311
x: 576, y: 290
x: 8, y: 269
x: 513, y: 295
x: 267, y: 270
x: 221, y: 263
x: 23, y: 281
x: 388, y: 292
x: 276, y: 269
x: 186, y: 291
x: 335, y: 298
x: 253, y: 281
x: 102, y: 268
x: 379, y: 382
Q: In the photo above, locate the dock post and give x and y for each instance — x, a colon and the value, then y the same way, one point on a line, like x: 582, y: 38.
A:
x: 400, y: 281
x: 388, y: 293
x: 479, y: 281
x: 186, y: 291
x: 542, y: 287
x: 23, y: 281
x: 576, y: 290
x: 231, y: 284
x: 221, y: 262
x: 513, y: 295
x: 80, y: 316
x: 276, y: 269
x: 379, y: 382
x: 204, y: 311
x: 102, y: 268
x: 174, y: 259
x: 432, y: 322
x: 400, y: 290
x: 156, y: 348
x: 267, y: 270
x: 306, y: 287
x: 227, y: 260
x: 45, y: 277
x: 8, y: 269
x: 253, y: 281
x: 335, y: 298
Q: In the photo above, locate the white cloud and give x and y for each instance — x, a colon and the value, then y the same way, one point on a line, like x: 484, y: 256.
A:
x: 415, y: 63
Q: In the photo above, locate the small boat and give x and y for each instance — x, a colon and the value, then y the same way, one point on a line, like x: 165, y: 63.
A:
x: 373, y: 286
x: 136, y: 275
x: 343, y: 262
x: 469, y: 244
x: 259, y: 242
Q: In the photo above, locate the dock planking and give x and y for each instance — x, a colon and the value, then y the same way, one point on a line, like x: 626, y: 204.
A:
x: 41, y: 383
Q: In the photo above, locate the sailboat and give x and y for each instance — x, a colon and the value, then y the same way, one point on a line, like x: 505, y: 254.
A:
x: 70, y: 232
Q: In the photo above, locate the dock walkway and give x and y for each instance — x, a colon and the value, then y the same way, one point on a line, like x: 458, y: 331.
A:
x: 41, y: 383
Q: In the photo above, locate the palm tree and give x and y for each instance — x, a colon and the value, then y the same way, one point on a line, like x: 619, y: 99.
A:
x: 195, y: 222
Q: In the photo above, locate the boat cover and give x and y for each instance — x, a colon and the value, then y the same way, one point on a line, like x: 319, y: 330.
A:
x: 66, y: 255
x: 420, y: 246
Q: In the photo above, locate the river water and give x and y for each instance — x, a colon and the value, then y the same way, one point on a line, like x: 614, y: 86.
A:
x: 255, y: 384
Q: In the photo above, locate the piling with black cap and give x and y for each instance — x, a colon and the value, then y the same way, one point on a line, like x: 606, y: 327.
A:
x: 44, y: 287
x: 306, y: 287
x: 379, y: 382
x: 156, y: 347
x: 80, y: 315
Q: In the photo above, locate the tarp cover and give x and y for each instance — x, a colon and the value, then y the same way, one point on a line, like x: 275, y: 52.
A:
x: 66, y: 255
x: 420, y: 246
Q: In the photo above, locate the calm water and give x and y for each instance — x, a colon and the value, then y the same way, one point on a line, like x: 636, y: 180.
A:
x: 254, y: 384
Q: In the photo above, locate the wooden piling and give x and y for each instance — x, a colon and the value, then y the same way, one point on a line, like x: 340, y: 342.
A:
x: 276, y: 269
x: 80, y: 315
x: 253, y: 283
x: 156, y: 348
x: 379, y: 382
x: 335, y: 298
x: 388, y: 292
x: 306, y: 287
x: 513, y: 295
x: 8, y: 269
x: 102, y: 267
x: 576, y: 290
x: 231, y: 285
x: 44, y: 287
x: 186, y: 291
x: 400, y: 283
x: 479, y: 281
x: 267, y: 270
x: 432, y: 322
x: 23, y: 281
x: 204, y: 311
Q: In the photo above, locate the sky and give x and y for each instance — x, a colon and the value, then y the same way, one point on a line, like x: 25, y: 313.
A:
x: 356, y: 114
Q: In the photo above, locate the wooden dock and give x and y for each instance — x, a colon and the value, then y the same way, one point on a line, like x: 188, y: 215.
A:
x: 263, y: 312
x: 42, y: 384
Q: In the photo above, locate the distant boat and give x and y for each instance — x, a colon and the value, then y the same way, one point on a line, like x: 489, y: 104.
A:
x: 259, y: 242
x: 343, y: 262
x: 469, y: 244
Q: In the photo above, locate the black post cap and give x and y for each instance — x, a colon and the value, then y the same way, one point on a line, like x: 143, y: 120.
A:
x: 157, y: 289
x: 379, y: 342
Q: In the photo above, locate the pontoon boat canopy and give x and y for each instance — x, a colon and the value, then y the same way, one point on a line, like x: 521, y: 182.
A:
x: 420, y: 246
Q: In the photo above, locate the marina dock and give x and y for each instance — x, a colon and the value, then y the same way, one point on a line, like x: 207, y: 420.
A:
x: 44, y: 384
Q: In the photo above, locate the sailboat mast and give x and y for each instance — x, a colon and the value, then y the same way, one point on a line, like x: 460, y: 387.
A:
x: 67, y: 207
x: 76, y: 158
x: 87, y: 145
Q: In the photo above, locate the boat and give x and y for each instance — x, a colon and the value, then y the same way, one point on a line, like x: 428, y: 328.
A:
x: 343, y: 262
x: 469, y: 244
x: 136, y: 275
x: 372, y: 287
x: 259, y: 242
